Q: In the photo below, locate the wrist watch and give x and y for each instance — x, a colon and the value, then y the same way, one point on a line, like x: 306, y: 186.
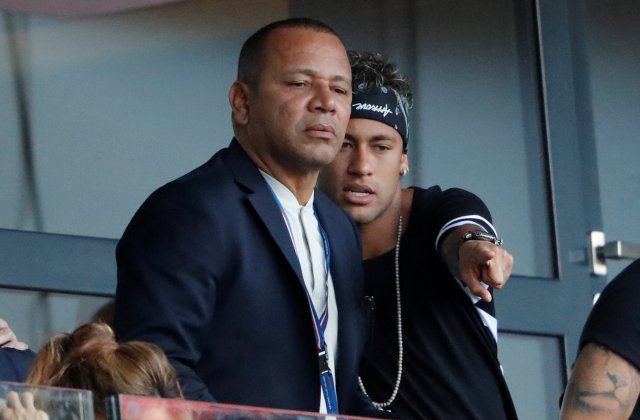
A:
x: 479, y: 235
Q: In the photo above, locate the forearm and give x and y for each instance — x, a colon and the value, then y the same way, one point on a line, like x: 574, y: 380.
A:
x: 450, y: 247
x: 474, y: 256
x: 158, y: 302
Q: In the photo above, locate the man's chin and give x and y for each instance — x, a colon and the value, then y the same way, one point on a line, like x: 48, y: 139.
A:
x: 359, y: 216
x: 324, y: 154
x: 318, y: 161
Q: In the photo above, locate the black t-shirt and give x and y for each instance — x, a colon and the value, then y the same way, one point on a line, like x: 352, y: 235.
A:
x: 614, y: 321
x: 451, y: 370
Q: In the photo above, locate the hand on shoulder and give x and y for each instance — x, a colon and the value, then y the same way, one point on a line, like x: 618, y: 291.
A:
x: 8, y: 337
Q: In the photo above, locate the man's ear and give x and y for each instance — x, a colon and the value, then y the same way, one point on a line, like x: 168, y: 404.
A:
x: 404, y: 164
x: 239, y: 101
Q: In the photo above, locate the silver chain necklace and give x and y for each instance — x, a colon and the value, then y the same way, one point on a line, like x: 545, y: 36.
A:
x: 396, y: 387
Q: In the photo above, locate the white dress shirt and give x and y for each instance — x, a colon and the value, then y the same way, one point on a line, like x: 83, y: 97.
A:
x: 304, y: 230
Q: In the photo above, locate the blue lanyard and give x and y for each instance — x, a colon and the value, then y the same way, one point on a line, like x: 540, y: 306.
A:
x: 319, y: 323
x: 326, y: 377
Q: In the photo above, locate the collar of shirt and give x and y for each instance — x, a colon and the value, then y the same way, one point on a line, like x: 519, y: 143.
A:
x: 287, y: 199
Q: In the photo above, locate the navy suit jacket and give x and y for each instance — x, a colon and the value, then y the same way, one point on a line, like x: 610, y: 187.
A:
x: 208, y: 272
x: 15, y: 364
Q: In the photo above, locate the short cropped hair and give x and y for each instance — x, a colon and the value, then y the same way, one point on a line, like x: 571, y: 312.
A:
x: 374, y: 69
x: 253, y: 49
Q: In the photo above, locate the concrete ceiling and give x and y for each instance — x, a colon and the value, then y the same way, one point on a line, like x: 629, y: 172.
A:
x: 77, y: 8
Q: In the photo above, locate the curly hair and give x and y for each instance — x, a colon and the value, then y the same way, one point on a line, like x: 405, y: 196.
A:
x: 374, y: 69
x: 90, y: 358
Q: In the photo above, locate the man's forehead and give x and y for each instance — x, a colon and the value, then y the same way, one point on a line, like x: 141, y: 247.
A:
x: 300, y: 39
x: 371, y: 130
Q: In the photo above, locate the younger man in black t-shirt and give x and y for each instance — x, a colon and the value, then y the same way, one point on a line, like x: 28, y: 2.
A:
x: 433, y: 351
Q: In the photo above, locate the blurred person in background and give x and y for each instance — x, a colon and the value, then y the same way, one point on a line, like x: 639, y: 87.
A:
x: 605, y: 379
x: 15, y: 356
x: 90, y: 358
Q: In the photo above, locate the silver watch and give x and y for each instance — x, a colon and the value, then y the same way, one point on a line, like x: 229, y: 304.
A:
x: 479, y: 235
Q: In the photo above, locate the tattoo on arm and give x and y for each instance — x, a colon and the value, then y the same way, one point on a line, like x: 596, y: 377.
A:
x: 588, y: 399
x: 602, y: 384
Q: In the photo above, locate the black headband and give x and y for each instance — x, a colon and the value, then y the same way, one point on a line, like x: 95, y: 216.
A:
x: 384, y: 105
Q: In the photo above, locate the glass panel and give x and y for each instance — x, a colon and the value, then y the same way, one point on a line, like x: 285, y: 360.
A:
x: 129, y: 407
x: 477, y: 122
x: 539, y: 360
x: 615, y: 82
x: 57, y: 403
x: 12, y: 187
x: 34, y: 316
x: 121, y: 104
x: 480, y: 125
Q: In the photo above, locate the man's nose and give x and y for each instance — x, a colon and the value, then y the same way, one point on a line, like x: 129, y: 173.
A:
x: 360, y: 163
x: 323, y: 99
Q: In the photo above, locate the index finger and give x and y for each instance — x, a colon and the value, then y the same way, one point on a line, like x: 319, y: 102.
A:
x: 493, y: 275
x: 477, y: 288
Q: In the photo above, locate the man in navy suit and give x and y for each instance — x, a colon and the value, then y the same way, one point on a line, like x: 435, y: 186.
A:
x: 245, y: 275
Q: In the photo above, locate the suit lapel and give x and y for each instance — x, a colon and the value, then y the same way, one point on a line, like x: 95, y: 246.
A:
x: 265, y: 205
x: 261, y: 198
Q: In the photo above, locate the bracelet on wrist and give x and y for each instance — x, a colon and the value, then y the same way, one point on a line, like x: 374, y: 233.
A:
x: 479, y: 235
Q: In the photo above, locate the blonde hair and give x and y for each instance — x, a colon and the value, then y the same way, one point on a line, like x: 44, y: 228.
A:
x: 91, y: 358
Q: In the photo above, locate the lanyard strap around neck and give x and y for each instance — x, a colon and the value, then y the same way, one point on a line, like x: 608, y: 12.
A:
x: 319, y: 323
